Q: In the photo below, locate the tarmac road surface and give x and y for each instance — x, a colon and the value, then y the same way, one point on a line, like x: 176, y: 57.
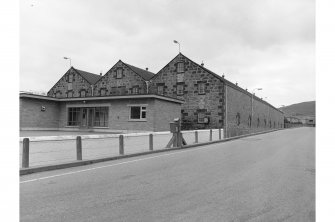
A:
x: 269, y: 177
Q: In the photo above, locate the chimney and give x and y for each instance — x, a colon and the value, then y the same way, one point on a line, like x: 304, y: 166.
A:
x: 147, y: 68
x: 100, y: 73
x: 223, y: 75
x: 202, y: 63
x: 236, y: 83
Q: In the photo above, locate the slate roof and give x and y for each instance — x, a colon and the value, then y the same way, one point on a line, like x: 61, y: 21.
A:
x: 146, y: 75
x: 90, y: 77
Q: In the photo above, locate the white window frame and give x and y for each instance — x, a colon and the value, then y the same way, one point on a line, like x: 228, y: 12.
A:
x: 182, y: 92
x: 203, y: 88
x: 180, y: 67
x: 143, y: 109
x: 201, y: 117
x: 119, y: 73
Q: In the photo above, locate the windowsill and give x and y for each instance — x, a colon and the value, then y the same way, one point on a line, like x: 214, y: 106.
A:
x: 137, y: 120
x: 72, y: 126
x: 100, y: 127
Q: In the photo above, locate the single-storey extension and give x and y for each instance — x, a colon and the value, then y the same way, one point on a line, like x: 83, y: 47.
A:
x: 104, y: 113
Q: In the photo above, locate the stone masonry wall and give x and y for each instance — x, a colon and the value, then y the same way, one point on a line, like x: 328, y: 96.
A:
x: 32, y: 116
x: 63, y: 86
x: 121, y: 86
x: 211, y: 103
x: 239, y: 106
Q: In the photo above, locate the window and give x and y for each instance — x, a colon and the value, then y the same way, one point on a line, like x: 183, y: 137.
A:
x: 70, y: 78
x: 58, y: 94
x: 160, y: 90
x: 201, y: 117
x: 113, y: 90
x: 102, y: 92
x: 270, y: 124
x: 180, y: 89
x: 138, y: 112
x: 101, y: 116
x: 135, y: 90
x: 201, y: 88
x: 69, y: 86
x: 265, y: 122
x: 73, y: 117
x: 83, y: 93
x: 238, y: 119
x: 180, y: 67
x: 119, y: 73
x: 70, y: 94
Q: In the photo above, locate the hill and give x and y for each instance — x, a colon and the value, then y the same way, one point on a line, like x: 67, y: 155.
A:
x: 300, y: 109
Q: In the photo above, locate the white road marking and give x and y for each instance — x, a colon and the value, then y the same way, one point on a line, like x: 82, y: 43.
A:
x: 111, y: 165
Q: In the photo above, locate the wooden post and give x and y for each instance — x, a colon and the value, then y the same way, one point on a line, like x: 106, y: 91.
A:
x: 79, y: 148
x: 121, y: 145
x: 25, y: 153
x: 151, y: 142
x: 220, y: 134
x: 196, y: 136
x: 210, y: 135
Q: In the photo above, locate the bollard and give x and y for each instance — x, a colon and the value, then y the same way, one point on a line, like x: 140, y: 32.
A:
x: 79, y: 149
x: 151, y: 142
x: 219, y: 133
x: 196, y: 136
x: 121, y: 145
x: 210, y: 135
x: 25, y: 153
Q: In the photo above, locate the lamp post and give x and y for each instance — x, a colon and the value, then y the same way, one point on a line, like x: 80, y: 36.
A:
x: 68, y: 59
x: 175, y: 41
x: 252, y: 104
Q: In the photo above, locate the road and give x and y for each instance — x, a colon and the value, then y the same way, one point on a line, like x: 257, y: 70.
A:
x: 269, y: 177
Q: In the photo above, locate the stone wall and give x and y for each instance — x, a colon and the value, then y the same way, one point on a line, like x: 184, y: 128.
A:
x: 33, y: 117
x: 211, y: 102
x: 246, y: 113
x: 120, y: 86
x: 64, y: 88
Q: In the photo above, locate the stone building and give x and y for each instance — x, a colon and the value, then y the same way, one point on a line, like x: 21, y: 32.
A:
x: 208, y: 100
x: 212, y: 101
x: 123, y: 79
x: 74, y: 83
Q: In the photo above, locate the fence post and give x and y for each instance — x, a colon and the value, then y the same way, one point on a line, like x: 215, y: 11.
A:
x: 121, y: 145
x: 25, y: 153
x: 151, y: 142
x: 79, y: 149
x: 196, y: 136
x: 210, y: 135
x: 219, y: 133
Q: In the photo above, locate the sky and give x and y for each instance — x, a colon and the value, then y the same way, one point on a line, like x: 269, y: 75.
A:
x: 266, y: 44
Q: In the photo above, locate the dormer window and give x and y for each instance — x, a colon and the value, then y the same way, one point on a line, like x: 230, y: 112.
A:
x: 102, y: 92
x: 180, y: 67
x: 119, y: 73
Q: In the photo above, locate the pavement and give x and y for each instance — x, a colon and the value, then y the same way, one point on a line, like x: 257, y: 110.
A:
x: 268, y: 177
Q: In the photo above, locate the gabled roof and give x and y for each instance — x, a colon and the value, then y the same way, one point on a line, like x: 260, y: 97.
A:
x: 207, y: 70
x: 89, y: 77
x: 146, y: 75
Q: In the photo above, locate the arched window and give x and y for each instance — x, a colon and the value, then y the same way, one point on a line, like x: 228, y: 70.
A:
x: 238, y: 119
x: 249, y: 121
x: 264, y: 122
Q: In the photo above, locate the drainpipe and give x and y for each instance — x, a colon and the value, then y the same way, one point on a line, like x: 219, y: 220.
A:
x: 147, y: 84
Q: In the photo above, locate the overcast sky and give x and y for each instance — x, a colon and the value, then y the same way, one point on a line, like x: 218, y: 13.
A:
x: 260, y: 43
